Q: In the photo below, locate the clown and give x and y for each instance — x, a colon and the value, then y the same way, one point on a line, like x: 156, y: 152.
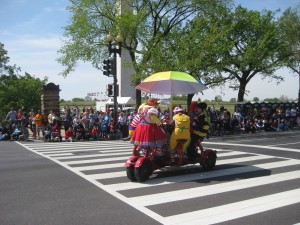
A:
x: 148, y: 133
x: 181, y: 130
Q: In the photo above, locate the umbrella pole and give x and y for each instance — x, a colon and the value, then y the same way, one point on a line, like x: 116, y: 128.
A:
x: 171, y: 112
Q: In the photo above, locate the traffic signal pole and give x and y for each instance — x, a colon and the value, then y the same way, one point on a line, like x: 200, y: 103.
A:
x: 110, y: 69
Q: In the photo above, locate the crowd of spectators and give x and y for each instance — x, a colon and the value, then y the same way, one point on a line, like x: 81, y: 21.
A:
x: 78, y: 125
x: 253, y: 120
x: 89, y: 124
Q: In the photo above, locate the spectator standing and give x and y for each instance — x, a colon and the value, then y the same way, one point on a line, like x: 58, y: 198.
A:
x: 107, y: 118
x: 19, y: 116
x: 39, y: 120
x: 67, y: 121
x: 32, y: 123
x: 50, y: 118
x: 104, y: 129
x: 122, y: 124
x: 11, y: 116
x: 76, y: 120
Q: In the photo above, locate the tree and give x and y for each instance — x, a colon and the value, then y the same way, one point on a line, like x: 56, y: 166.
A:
x: 20, y: 92
x: 78, y: 100
x: 289, y: 24
x: 15, y: 90
x: 232, y: 100
x: 256, y: 99
x: 271, y: 100
x: 4, y: 59
x: 218, y: 98
x: 143, y: 31
x: 235, y: 46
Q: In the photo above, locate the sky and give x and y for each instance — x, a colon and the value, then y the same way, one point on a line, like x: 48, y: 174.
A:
x: 32, y: 30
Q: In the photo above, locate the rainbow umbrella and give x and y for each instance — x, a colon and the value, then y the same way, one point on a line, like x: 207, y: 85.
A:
x: 171, y: 83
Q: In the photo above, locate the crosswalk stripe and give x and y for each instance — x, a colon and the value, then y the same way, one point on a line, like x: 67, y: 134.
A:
x: 100, y: 176
x: 199, y: 176
x: 97, y: 167
x: 244, y: 159
x: 236, y: 210
x: 253, y: 146
x: 58, y: 147
x: 73, y: 151
x: 196, y: 192
x: 91, y: 155
x: 96, y: 160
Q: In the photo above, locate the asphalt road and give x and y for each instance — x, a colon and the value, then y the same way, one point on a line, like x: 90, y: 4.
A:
x: 37, y: 191
x: 256, y: 181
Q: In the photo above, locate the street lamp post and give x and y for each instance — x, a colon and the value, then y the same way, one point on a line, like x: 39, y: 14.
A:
x: 114, y: 48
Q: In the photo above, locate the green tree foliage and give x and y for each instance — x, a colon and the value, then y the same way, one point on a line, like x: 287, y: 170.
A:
x: 78, y: 100
x: 232, y: 100
x: 17, y: 91
x: 208, y: 39
x: 144, y: 28
x: 234, y: 46
x: 218, y: 98
x: 20, y: 92
x: 289, y: 24
x: 256, y: 99
x: 271, y: 100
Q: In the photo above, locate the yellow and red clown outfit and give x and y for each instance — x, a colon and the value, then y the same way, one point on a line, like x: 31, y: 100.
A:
x: 181, y: 129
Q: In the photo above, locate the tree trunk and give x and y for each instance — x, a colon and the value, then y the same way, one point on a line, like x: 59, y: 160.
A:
x: 189, y: 100
x: 242, y: 90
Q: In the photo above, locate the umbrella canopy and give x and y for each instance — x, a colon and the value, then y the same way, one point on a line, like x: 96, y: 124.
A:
x: 171, y: 83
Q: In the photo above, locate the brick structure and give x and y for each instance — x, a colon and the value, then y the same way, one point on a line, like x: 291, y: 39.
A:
x: 50, y: 99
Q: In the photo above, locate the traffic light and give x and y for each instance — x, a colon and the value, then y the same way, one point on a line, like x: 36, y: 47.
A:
x: 110, y: 67
x: 110, y: 91
x: 106, y: 67
x: 113, y: 66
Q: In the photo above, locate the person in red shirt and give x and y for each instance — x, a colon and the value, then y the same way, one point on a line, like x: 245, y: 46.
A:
x: 69, y: 135
x: 19, y: 116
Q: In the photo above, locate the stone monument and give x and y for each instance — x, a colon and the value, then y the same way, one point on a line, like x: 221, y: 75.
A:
x: 50, y: 99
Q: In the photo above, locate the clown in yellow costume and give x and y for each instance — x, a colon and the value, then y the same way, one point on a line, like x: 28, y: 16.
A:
x: 181, y: 130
